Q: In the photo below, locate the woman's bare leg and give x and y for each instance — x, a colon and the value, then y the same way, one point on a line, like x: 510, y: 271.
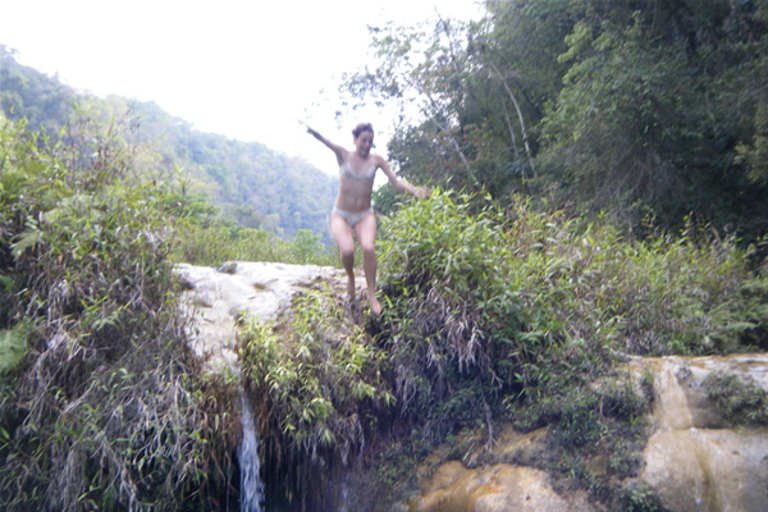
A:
x: 342, y: 235
x: 366, y: 237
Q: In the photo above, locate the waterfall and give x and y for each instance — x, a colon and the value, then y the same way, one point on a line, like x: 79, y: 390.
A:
x: 251, y: 488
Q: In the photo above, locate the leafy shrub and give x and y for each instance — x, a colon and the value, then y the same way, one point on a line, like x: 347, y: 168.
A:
x: 13, y: 347
x: 450, y: 315
x: 216, y: 243
x: 517, y: 298
x: 315, y: 388
x: 525, y: 309
x: 107, y: 408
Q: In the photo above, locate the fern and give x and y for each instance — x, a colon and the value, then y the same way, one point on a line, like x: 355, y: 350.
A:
x: 13, y: 348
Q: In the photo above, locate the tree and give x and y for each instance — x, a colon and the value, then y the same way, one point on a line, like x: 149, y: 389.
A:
x: 645, y: 123
x: 232, y: 175
x: 643, y: 110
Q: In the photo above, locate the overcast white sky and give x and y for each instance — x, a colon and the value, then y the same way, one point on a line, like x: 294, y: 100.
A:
x: 246, y: 69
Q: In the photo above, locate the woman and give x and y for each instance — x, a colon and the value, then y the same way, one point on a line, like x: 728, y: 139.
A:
x: 352, y: 210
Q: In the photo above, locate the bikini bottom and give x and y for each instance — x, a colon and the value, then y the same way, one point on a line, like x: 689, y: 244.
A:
x: 352, y: 218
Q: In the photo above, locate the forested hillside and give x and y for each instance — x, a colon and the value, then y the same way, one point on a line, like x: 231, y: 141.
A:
x: 650, y: 111
x: 248, y: 182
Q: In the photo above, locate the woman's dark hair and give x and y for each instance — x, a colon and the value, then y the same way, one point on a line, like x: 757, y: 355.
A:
x: 362, y: 127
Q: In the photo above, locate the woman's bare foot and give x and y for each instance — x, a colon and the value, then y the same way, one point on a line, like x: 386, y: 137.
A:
x: 375, y: 306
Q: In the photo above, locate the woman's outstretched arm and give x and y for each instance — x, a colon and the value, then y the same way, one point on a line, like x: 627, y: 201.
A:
x: 341, y: 153
x: 401, y: 184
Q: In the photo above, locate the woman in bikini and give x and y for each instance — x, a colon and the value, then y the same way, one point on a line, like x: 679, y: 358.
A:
x: 352, y: 210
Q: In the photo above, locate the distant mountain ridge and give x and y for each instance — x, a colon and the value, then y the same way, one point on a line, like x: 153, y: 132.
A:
x: 250, y: 183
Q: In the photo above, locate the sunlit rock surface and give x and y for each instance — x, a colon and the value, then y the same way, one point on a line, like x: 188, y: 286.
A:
x: 496, y: 488
x: 218, y: 298
x: 454, y: 487
x: 695, y: 459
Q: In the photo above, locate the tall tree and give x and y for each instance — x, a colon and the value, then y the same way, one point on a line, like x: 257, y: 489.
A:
x: 648, y: 119
x: 645, y: 110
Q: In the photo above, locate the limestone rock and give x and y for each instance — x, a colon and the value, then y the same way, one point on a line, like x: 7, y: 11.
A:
x: 496, y: 488
x: 695, y: 459
x: 217, y: 299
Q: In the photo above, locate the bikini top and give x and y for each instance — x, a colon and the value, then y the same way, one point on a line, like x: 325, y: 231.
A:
x: 367, y: 174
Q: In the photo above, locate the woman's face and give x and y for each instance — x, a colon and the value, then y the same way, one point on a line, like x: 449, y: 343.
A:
x: 364, y: 143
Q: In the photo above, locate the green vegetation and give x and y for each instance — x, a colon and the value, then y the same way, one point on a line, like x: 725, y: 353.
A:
x: 214, y: 177
x: 101, y: 403
x: 642, y: 110
x: 13, y: 348
x: 742, y: 402
x: 316, y: 384
x: 499, y: 316
x: 216, y: 243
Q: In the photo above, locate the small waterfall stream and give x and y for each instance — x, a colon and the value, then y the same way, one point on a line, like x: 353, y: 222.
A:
x: 251, y: 487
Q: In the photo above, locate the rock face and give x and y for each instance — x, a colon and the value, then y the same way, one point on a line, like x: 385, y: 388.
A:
x: 695, y: 459
x: 499, y: 487
x: 218, y: 298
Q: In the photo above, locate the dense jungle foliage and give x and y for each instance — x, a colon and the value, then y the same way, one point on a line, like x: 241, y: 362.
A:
x: 503, y: 316
x: 102, y: 405
x: 246, y: 183
x: 649, y: 111
x: 599, y: 173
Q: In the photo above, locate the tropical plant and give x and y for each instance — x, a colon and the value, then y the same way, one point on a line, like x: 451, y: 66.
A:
x: 642, y: 111
x: 103, y: 405
x: 316, y: 387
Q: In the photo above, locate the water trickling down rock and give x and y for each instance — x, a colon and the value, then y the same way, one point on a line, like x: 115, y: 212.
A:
x: 251, y: 487
x: 216, y: 300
